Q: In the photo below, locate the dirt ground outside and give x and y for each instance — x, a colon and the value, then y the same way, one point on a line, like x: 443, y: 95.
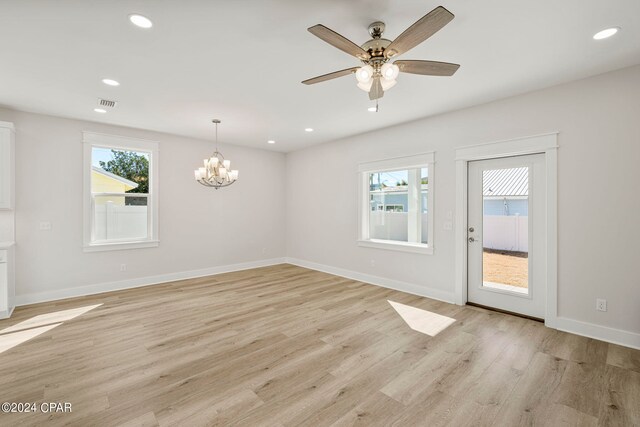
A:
x: 510, y: 268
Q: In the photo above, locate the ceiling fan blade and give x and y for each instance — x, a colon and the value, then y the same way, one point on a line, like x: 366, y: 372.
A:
x: 329, y: 76
x: 427, y: 68
x: 341, y: 42
x: 376, y: 90
x: 421, y: 30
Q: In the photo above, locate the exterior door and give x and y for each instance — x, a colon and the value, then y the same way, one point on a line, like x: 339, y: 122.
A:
x: 506, y: 234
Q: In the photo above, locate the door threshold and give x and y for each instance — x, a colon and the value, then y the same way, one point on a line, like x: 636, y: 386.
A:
x: 524, y: 316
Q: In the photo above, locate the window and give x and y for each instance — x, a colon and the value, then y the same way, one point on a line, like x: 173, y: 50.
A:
x: 120, y: 192
x: 396, y: 197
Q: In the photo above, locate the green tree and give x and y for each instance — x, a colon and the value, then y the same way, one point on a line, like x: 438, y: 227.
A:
x: 130, y: 165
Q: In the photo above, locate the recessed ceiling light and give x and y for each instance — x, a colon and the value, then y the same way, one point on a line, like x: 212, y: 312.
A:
x: 100, y: 110
x: 372, y: 109
x: 604, y: 34
x: 140, y: 21
x: 308, y: 130
x: 271, y: 141
x: 110, y: 82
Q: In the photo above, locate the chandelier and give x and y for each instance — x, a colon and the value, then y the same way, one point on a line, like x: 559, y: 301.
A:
x: 217, y: 171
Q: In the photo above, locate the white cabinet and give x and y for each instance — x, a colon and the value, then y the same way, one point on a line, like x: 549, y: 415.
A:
x: 7, y: 219
x: 7, y: 280
x: 7, y: 161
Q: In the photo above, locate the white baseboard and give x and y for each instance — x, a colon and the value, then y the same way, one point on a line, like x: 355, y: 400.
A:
x: 141, y: 281
x: 410, y: 288
x: 602, y: 333
x: 5, y: 314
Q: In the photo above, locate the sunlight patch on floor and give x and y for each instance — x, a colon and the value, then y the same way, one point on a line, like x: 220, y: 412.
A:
x: 13, y: 339
x: 423, y: 321
x: 37, y: 325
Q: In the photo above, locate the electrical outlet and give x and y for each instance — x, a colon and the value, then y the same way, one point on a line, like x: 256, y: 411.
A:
x: 601, y: 304
x: 123, y: 267
x: 45, y: 225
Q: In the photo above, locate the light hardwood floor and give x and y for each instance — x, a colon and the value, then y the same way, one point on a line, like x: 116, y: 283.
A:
x: 287, y: 346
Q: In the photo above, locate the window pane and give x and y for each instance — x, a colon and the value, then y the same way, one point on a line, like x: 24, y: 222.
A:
x: 120, y: 218
x: 424, y: 194
x: 119, y: 171
x: 398, y: 205
x: 119, y: 191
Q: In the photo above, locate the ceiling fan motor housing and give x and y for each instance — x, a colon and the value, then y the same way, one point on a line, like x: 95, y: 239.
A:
x: 377, y: 45
x: 376, y: 48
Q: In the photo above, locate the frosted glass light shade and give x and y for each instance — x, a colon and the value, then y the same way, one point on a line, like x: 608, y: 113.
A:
x: 364, y: 74
x: 366, y: 86
x: 389, y: 71
x: 387, y: 84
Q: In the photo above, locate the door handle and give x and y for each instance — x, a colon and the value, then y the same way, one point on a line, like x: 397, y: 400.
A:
x: 471, y: 240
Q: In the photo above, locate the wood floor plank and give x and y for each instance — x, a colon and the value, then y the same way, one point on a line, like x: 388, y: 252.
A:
x: 284, y: 346
x: 623, y: 357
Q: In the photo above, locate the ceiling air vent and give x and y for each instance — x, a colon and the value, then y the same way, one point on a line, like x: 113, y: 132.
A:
x: 107, y: 103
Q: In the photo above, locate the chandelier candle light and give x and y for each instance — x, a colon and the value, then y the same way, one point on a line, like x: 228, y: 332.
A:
x: 217, y: 171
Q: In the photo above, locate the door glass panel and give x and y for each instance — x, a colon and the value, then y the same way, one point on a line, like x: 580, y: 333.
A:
x: 505, y: 229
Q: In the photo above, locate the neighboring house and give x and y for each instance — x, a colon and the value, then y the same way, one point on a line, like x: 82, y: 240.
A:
x: 506, y: 191
x: 107, y: 182
x: 394, y: 199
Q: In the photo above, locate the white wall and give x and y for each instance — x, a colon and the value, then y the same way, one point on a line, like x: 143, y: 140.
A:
x: 599, y: 171
x: 240, y: 221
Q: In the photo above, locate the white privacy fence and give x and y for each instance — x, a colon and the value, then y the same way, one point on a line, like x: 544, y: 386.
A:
x: 393, y: 226
x: 119, y: 222
x: 509, y: 233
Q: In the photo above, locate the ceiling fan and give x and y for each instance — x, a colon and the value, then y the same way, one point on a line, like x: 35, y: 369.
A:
x: 378, y: 74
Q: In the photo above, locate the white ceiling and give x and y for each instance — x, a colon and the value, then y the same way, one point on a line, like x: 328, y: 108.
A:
x: 242, y: 61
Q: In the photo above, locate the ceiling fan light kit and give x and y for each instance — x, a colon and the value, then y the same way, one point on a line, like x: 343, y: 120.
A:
x: 378, y: 75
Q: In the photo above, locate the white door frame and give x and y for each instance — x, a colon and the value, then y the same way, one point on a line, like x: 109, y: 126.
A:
x: 546, y: 144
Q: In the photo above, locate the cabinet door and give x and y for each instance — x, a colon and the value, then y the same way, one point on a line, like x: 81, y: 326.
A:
x: 6, y: 168
x: 4, y: 290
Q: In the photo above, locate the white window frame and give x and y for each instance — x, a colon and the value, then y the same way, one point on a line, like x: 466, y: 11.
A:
x: 92, y: 139
x: 423, y: 160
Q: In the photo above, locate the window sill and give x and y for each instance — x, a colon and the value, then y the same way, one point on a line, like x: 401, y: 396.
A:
x: 397, y: 246
x: 99, y: 247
